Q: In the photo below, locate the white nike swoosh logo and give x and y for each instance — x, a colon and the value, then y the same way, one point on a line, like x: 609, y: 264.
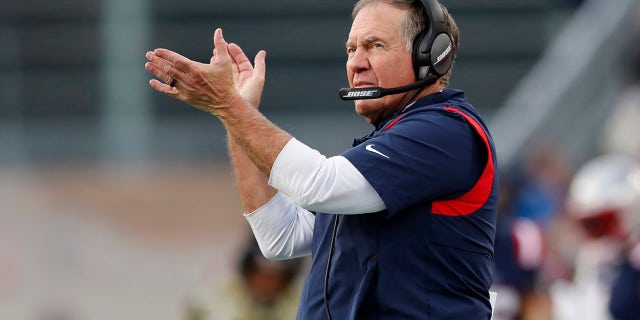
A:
x: 369, y: 147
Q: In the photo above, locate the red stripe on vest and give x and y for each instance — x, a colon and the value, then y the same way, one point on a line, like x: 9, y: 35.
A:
x: 475, y: 198
x: 392, y: 123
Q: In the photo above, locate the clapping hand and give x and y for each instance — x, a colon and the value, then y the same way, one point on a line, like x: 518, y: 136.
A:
x: 209, y: 87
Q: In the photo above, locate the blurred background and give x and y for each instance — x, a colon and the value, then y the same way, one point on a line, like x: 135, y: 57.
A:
x: 117, y: 202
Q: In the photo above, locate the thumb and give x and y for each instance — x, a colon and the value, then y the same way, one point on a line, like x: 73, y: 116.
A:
x: 220, y: 52
x: 259, y: 63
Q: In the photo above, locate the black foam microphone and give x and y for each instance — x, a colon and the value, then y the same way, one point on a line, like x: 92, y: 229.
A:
x: 378, y: 92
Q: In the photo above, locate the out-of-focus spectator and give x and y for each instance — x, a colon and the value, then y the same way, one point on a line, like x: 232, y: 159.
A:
x: 262, y: 290
x: 540, y: 187
x: 604, y: 199
x: 519, y: 256
x: 621, y: 134
x: 625, y: 292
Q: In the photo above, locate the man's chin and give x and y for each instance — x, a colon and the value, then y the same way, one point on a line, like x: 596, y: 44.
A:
x: 364, y: 111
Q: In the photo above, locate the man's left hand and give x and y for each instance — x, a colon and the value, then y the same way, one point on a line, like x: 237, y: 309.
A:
x: 208, y: 87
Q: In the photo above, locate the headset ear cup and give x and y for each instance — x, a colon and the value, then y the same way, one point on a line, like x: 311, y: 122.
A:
x: 441, y: 56
x: 432, y: 48
x: 435, y: 59
x: 421, y: 55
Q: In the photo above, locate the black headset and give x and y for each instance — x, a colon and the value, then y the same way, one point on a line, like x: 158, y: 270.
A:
x: 432, y: 48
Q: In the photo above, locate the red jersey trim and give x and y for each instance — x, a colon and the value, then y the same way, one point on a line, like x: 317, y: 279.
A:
x: 475, y: 198
x: 393, y: 123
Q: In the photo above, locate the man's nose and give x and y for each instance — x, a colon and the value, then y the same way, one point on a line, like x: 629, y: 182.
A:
x: 358, y: 61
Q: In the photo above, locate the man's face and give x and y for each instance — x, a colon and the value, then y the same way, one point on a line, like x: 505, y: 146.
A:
x: 377, y: 56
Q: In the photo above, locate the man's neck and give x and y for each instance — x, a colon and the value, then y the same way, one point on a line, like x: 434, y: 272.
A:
x: 436, y: 87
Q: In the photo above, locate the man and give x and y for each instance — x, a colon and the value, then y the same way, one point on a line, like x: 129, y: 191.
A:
x: 603, y: 200
x: 399, y: 226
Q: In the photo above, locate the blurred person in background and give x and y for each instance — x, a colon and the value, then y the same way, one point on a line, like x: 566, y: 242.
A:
x: 604, y: 200
x: 624, y: 303
x: 519, y: 257
x: 402, y: 224
x: 623, y: 135
x: 261, y: 290
x: 532, y: 197
x: 540, y: 185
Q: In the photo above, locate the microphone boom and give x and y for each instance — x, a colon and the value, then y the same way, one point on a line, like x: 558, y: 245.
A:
x: 378, y: 92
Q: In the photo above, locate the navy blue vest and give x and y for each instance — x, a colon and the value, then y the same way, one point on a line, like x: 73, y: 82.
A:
x: 429, y: 254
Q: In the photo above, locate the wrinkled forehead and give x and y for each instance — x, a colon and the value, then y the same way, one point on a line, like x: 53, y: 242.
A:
x: 379, y: 20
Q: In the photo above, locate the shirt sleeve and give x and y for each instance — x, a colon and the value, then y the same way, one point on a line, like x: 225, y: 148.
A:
x: 282, y: 229
x: 322, y: 184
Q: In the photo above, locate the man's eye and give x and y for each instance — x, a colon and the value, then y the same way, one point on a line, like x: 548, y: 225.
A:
x: 351, y: 50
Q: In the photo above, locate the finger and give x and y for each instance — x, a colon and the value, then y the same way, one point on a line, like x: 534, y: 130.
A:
x: 180, y: 62
x: 158, y: 71
x: 220, y: 51
x: 259, y: 63
x: 161, y: 68
x: 239, y: 58
x: 167, y: 72
x: 164, y: 88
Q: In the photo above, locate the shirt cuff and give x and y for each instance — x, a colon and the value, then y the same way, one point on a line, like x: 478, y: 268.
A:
x: 282, y: 229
